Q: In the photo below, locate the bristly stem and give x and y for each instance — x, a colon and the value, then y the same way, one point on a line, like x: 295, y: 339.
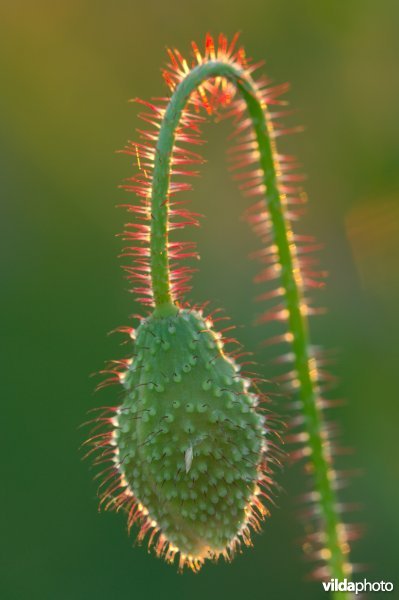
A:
x: 334, y: 552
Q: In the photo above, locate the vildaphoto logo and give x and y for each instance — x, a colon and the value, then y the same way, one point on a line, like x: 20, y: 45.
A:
x: 335, y: 585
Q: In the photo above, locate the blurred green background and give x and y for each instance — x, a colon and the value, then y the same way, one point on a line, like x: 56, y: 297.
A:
x: 67, y: 70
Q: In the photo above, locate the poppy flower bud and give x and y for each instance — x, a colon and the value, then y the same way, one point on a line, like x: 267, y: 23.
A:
x: 189, y: 440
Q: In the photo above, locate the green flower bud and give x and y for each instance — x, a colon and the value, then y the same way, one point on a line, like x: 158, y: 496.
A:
x: 188, y: 442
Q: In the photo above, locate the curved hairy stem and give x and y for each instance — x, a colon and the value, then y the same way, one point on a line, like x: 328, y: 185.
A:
x: 290, y: 278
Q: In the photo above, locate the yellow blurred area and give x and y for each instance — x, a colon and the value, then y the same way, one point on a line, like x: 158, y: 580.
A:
x: 373, y: 232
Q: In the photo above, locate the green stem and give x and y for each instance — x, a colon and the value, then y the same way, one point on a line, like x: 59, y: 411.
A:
x: 298, y: 323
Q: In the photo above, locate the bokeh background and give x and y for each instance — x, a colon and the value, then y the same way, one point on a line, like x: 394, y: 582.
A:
x: 67, y: 69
